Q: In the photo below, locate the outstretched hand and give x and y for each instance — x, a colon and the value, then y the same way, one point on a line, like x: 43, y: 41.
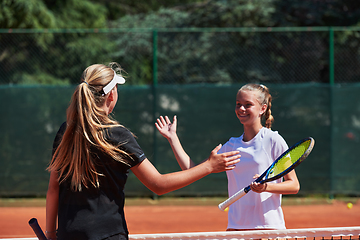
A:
x: 224, y: 161
x: 165, y: 127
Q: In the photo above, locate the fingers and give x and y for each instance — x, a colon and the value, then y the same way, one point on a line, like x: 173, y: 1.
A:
x: 165, y: 127
x: 167, y: 120
x: 157, y: 126
x: 216, y: 149
x: 161, y: 121
x: 175, y: 120
x: 232, y: 153
x: 230, y: 167
x: 232, y: 160
x: 234, y: 157
x: 224, y: 161
x: 232, y: 163
x: 258, y: 187
x: 161, y: 125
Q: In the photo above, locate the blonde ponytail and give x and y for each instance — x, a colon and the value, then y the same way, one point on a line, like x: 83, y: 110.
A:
x: 86, y: 125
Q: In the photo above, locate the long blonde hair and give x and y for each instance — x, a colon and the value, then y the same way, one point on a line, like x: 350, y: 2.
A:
x: 86, y: 124
x: 264, y: 97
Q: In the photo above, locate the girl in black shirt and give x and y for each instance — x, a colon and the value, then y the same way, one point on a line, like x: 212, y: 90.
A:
x: 92, y: 155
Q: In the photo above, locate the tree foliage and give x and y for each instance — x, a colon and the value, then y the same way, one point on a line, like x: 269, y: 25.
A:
x: 48, y: 58
x: 26, y: 14
x: 59, y: 57
x: 317, y: 13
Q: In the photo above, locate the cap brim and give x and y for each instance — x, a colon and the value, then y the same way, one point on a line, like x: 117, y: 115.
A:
x: 116, y: 80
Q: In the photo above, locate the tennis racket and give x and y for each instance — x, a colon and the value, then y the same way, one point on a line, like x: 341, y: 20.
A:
x: 287, y: 161
x: 37, y: 229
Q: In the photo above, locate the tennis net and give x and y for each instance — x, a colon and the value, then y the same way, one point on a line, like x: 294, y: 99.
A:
x: 306, y: 233
x: 302, y: 233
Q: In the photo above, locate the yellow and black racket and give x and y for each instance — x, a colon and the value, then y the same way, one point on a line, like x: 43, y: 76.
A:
x: 289, y: 160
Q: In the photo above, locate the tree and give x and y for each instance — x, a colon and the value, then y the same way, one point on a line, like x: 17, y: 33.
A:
x: 326, y: 13
x: 118, y: 9
x: 50, y: 57
x: 25, y: 14
x: 190, y: 57
x: 317, y: 13
x: 57, y: 56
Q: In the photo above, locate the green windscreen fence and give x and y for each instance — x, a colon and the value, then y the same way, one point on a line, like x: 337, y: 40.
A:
x: 31, y: 117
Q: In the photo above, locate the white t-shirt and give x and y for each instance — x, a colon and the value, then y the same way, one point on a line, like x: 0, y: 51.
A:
x: 254, y: 210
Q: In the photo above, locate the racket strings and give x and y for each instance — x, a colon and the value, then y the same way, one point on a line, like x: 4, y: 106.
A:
x: 289, y: 159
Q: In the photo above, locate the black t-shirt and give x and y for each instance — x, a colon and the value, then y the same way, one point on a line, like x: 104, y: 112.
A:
x: 97, y: 213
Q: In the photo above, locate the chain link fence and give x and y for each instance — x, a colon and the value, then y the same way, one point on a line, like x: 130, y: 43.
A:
x: 183, y: 56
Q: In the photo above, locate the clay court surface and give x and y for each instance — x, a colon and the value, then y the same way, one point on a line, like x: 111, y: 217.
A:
x: 185, y: 215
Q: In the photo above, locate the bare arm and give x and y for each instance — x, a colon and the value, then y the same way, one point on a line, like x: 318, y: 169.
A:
x: 290, y: 185
x: 164, y: 183
x: 52, y: 201
x: 168, y: 130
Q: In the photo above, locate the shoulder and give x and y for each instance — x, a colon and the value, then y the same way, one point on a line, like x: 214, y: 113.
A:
x: 119, y: 134
x: 235, y: 140
x: 274, y: 142
x: 59, y: 135
x: 61, y: 130
x: 63, y: 127
x: 118, y: 129
x: 272, y: 136
x: 232, y: 144
x: 125, y: 140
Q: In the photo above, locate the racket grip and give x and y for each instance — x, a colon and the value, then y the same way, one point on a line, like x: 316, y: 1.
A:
x: 37, y: 229
x: 234, y: 198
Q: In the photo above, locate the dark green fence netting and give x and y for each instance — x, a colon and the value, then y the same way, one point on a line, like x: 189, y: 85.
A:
x: 330, y: 114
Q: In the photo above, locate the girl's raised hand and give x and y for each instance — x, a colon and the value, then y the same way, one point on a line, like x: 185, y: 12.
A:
x: 165, y: 127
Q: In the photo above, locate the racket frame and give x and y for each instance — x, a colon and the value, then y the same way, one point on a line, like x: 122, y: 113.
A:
x: 294, y: 165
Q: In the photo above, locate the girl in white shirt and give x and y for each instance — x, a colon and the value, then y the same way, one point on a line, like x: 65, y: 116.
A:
x: 259, y: 147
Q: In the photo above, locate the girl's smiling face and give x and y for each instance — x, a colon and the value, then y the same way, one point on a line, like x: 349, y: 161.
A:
x: 248, y: 109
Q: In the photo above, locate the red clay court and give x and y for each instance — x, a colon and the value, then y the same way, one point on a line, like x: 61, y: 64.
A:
x: 186, y: 215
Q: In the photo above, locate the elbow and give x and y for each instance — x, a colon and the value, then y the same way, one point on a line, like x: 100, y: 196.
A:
x: 292, y: 189
x: 159, y: 192
x: 296, y: 189
x: 295, y: 192
x: 159, y: 189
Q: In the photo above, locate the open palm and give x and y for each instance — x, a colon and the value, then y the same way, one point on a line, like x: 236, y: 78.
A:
x: 165, y: 127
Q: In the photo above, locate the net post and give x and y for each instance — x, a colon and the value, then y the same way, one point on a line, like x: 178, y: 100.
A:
x: 332, y: 112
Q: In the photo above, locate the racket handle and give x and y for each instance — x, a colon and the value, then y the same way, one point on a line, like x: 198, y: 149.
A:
x: 37, y: 229
x: 234, y: 198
